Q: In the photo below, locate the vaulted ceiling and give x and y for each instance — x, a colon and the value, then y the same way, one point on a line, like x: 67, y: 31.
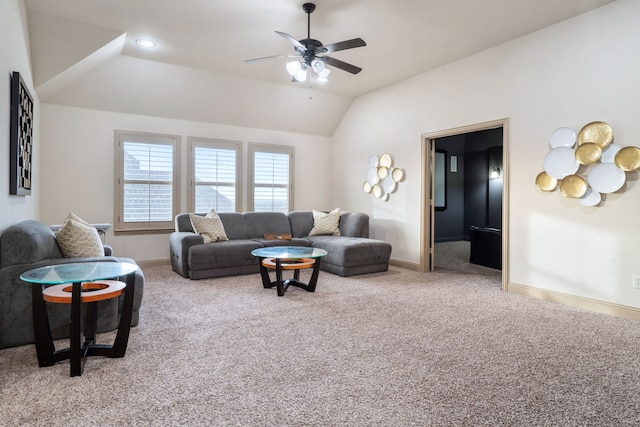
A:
x: 79, y: 46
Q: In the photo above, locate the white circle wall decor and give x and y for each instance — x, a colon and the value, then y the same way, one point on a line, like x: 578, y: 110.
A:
x: 382, y: 177
x: 561, y: 162
x: 372, y: 176
x: 588, y: 164
x: 590, y: 198
x: 609, y: 153
x: 562, y: 137
x: 388, y: 184
x: 606, y: 178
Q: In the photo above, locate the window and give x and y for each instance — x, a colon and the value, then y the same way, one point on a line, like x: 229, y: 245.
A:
x: 146, y: 186
x: 214, y: 175
x: 271, y: 178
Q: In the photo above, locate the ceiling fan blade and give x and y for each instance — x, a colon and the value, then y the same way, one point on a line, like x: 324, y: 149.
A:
x: 291, y: 40
x: 267, y: 58
x: 341, y: 64
x: 347, y: 44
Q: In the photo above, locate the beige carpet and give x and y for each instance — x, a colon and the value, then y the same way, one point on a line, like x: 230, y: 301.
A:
x: 453, y: 257
x: 398, y: 348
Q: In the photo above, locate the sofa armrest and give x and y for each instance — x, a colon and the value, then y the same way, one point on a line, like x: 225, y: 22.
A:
x: 354, y: 224
x: 179, y: 244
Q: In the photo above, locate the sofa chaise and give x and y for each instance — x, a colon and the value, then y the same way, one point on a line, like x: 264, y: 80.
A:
x: 350, y: 253
x: 30, y: 244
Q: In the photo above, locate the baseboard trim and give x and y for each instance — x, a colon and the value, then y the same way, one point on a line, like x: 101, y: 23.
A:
x: 153, y: 262
x: 613, y: 309
x: 405, y: 264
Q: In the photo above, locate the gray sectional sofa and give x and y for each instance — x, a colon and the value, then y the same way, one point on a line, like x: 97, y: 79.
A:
x: 349, y: 254
x: 31, y: 244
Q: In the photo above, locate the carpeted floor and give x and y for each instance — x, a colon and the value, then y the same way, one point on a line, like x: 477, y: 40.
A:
x: 453, y: 257
x: 398, y: 348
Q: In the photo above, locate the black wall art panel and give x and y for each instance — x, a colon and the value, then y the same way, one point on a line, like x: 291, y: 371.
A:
x: 21, y: 139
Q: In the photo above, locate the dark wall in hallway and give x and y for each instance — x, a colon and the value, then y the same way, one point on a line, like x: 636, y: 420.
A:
x: 473, y: 199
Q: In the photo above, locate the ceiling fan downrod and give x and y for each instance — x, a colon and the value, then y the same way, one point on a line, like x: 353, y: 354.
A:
x: 308, y: 9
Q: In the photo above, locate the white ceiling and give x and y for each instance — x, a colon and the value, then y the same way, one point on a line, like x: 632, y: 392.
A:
x: 404, y: 37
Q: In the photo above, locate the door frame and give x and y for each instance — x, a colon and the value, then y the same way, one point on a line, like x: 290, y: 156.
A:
x: 427, y: 208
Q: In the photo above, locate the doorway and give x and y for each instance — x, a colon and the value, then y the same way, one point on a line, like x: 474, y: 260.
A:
x: 452, y: 221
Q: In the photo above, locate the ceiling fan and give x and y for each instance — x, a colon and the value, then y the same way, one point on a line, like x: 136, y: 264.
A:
x: 313, y: 53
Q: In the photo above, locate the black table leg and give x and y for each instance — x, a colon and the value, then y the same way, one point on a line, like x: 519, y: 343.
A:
x: 122, y: 337
x: 311, y: 287
x: 91, y: 324
x: 76, y: 330
x: 41, y: 330
x: 264, y: 273
x: 280, y: 286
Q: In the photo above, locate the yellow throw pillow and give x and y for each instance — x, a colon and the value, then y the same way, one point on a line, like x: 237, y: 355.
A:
x: 325, y: 223
x: 77, y: 239
x: 209, y: 227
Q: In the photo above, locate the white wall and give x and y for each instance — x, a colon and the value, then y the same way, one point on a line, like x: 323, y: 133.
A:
x: 78, y: 174
x: 14, y: 56
x: 581, y: 70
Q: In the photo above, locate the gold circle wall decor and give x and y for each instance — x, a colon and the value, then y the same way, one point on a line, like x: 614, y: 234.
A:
x: 377, y: 190
x: 573, y: 186
x: 397, y: 174
x: 587, y: 166
x: 382, y: 177
x: 385, y: 160
x: 628, y: 158
x: 546, y: 182
x: 598, y: 132
x: 588, y: 153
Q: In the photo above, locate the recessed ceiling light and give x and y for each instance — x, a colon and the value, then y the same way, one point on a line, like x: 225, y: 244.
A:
x: 145, y: 43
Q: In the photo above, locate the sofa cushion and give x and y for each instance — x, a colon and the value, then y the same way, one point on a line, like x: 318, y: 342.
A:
x: 183, y: 223
x: 261, y: 223
x: 234, y: 225
x: 209, y: 227
x: 352, y: 251
x: 325, y: 223
x: 301, y: 223
x: 77, y: 239
x: 224, y: 254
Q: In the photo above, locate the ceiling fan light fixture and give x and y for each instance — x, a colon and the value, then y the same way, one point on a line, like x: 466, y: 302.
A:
x: 309, y: 50
x: 322, y: 75
x: 301, y: 75
x: 293, y: 67
x: 318, y: 66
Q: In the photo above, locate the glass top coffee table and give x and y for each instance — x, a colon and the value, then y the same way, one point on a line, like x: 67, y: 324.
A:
x: 289, y: 258
x: 76, y: 274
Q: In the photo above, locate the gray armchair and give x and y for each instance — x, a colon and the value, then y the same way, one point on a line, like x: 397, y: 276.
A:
x: 31, y: 244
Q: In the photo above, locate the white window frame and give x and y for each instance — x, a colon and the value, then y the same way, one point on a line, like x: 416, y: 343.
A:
x: 195, y: 142
x: 255, y: 147
x: 144, y: 138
